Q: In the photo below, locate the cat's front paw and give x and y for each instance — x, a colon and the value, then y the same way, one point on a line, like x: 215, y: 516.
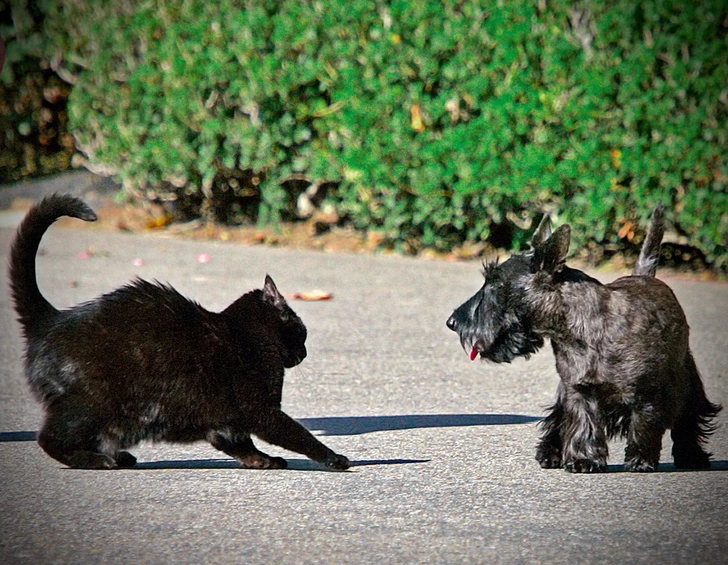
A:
x: 262, y: 461
x: 277, y: 463
x: 338, y: 462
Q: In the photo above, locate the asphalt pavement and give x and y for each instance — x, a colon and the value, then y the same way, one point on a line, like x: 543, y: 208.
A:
x: 442, y: 448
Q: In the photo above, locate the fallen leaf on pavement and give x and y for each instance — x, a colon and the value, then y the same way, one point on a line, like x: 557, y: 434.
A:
x: 312, y: 295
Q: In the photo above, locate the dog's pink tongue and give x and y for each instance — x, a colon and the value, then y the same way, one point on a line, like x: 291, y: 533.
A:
x: 473, y: 354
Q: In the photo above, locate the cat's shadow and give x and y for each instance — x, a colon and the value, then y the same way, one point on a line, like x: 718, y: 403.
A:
x: 334, y: 426
x: 293, y: 464
x: 357, y: 425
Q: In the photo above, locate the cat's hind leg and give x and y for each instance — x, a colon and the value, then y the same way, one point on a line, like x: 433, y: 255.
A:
x: 110, y: 444
x: 241, y: 447
x: 72, y: 437
x: 125, y: 460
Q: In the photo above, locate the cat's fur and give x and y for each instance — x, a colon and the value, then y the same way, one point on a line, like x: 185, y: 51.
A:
x: 144, y: 362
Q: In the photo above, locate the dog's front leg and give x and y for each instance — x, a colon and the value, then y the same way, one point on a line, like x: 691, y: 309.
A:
x: 644, y: 440
x: 549, y: 449
x: 584, y: 440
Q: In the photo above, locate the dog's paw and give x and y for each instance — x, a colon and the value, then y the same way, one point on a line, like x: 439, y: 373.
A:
x: 639, y: 465
x: 585, y: 466
x: 692, y: 459
x: 338, y: 462
x: 548, y: 458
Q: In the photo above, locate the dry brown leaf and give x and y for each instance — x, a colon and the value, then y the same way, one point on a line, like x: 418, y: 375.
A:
x: 312, y: 295
x: 417, y: 123
x: 627, y: 230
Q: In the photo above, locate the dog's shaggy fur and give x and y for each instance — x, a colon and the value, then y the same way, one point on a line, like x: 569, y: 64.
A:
x: 621, y: 352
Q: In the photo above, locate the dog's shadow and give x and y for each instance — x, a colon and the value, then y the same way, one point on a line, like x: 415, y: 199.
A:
x: 357, y: 425
x: 715, y: 465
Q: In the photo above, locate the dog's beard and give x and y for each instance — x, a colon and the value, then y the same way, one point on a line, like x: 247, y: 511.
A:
x: 488, y: 331
x: 502, y: 346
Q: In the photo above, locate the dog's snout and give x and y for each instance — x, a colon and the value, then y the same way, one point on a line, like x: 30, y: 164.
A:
x: 452, y: 323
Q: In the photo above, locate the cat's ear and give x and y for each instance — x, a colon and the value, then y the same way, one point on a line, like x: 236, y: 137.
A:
x: 271, y: 294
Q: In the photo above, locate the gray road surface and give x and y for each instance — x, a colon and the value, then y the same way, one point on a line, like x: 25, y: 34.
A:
x: 443, y: 448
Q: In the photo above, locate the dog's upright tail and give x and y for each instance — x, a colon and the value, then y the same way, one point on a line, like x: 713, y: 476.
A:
x: 650, y: 254
x: 30, y: 304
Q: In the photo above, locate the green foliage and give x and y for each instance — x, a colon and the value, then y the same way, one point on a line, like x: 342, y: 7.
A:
x: 34, y: 139
x: 434, y: 122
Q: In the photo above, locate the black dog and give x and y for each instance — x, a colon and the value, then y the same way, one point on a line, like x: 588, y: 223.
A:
x: 621, y: 352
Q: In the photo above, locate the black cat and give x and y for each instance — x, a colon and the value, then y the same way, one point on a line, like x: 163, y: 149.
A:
x: 143, y: 362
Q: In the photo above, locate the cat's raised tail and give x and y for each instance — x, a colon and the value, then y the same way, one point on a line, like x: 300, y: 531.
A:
x: 30, y: 304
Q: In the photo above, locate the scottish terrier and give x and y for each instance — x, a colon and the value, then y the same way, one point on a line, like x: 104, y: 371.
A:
x: 621, y: 352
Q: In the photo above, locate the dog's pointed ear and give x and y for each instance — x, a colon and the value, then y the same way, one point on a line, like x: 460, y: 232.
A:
x: 551, y: 254
x: 543, y: 232
x: 271, y: 294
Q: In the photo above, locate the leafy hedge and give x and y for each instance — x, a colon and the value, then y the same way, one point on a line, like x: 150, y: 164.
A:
x: 34, y: 139
x: 431, y: 122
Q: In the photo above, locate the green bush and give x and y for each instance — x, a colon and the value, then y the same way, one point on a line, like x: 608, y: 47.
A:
x: 34, y: 140
x: 431, y: 122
